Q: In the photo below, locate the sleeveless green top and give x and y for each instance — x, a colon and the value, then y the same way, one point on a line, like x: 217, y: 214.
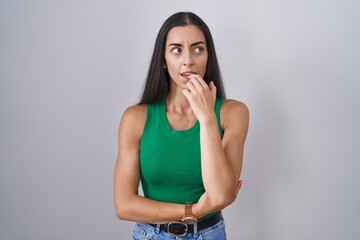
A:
x: 170, y: 161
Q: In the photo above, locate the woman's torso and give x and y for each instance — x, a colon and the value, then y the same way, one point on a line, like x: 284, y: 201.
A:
x: 170, y: 161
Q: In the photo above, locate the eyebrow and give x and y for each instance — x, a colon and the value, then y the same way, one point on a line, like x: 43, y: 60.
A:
x: 180, y: 45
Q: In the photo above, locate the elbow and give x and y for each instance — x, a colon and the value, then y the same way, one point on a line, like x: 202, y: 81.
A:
x: 220, y: 202
x: 221, y: 199
x: 120, y: 214
x: 122, y: 211
x: 125, y: 206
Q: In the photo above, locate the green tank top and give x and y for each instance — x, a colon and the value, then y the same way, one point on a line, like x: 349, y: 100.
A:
x: 170, y: 161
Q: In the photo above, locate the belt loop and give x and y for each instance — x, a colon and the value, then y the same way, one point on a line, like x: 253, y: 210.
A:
x: 157, y: 229
x: 195, y: 230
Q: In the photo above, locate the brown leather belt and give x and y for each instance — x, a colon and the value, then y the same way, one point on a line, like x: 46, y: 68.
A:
x: 177, y: 228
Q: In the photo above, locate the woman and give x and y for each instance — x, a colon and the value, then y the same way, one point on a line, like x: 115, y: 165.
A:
x: 184, y: 141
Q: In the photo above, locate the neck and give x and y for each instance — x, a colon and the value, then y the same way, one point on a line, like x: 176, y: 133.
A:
x: 177, y: 102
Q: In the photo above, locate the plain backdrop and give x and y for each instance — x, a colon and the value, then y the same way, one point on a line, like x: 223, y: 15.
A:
x: 68, y: 70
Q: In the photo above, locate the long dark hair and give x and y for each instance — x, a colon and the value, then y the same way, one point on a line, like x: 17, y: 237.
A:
x: 157, y: 83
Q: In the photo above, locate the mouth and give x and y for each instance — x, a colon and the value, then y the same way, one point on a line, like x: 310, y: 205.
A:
x: 186, y: 75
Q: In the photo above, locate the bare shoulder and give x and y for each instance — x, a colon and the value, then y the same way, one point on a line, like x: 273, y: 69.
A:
x: 234, y: 108
x: 233, y: 111
x: 134, y: 112
x: 133, y: 119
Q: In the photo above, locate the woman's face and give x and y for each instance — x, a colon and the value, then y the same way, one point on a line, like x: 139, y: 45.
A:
x: 185, y: 53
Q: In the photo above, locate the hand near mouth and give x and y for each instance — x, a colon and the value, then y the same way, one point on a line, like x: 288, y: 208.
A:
x: 201, y: 97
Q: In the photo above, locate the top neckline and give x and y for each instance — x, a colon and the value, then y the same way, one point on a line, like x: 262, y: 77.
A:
x: 179, y: 133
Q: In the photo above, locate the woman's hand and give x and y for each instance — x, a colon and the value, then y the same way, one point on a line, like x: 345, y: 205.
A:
x: 200, y: 96
x: 204, y: 206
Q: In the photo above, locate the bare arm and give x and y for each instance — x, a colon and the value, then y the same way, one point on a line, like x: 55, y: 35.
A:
x: 128, y: 204
x: 221, y: 159
x: 236, y: 124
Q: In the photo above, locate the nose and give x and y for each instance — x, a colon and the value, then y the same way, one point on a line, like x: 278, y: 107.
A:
x: 188, y: 59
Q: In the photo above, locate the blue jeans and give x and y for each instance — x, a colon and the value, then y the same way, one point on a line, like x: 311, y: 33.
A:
x: 143, y: 231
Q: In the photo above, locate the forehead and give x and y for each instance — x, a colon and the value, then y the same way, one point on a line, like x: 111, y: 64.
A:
x: 186, y: 34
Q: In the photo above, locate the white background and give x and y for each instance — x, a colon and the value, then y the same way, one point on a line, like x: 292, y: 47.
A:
x: 68, y: 69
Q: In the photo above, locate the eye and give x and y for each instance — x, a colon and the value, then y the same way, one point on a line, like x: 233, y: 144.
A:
x: 176, y: 50
x: 199, y: 49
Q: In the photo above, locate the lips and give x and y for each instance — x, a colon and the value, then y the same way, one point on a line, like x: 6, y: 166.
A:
x: 187, y: 74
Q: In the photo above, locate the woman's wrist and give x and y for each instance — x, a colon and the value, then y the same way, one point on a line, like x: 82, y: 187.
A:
x: 200, y: 211
x: 197, y: 211
x: 208, y: 120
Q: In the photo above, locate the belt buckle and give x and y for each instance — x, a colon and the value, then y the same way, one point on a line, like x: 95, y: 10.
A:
x: 177, y: 229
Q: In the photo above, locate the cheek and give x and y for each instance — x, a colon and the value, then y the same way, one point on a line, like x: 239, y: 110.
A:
x: 170, y: 62
x: 172, y: 68
x: 203, y: 64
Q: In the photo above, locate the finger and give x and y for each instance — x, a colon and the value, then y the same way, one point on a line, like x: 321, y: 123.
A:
x: 238, y: 187
x: 212, y: 89
x: 241, y: 182
x: 187, y: 93
x: 191, y: 86
x: 196, y: 82
x: 201, y: 80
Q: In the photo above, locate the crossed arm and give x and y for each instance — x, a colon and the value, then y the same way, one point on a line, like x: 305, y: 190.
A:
x: 128, y: 204
x: 221, y: 165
